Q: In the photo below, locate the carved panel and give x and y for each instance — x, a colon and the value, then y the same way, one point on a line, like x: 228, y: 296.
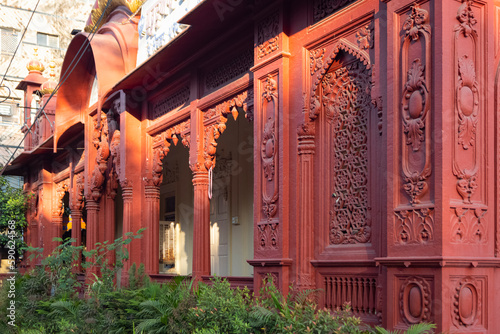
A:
x: 115, y: 165
x: 79, y: 191
x: 468, y: 301
x: 267, y: 276
x: 317, y: 60
x: 364, y: 36
x: 414, y: 226
x: 175, y: 100
x: 215, y: 120
x: 268, y: 226
x: 415, y: 300
x: 161, y: 147
x: 60, y: 189
x: 101, y: 143
x: 468, y: 225
x: 467, y: 104
x: 415, y: 102
x: 268, y: 31
x: 360, y: 291
x: 226, y: 72
x: 346, y: 100
x: 324, y: 8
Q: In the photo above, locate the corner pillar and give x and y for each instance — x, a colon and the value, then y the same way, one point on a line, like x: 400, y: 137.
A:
x: 152, y: 217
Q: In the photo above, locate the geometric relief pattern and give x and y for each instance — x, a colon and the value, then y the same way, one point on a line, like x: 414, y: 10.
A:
x: 414, y: 226
x: 468, y: 226
x: 347, y: 102
x: 324, y: 8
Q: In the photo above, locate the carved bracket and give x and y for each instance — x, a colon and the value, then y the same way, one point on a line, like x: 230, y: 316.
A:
x: 101, y: 143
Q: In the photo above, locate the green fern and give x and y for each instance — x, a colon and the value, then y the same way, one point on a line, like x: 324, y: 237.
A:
x: 422, y: 328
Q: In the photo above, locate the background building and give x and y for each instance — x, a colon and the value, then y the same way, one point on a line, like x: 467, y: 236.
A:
x: 50, y: 33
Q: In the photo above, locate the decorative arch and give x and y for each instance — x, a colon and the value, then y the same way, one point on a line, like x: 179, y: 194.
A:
x: 109, y: 55
x: 323, y: 66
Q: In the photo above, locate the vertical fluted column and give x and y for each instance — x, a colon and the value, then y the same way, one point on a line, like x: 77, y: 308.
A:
x: 76, y: 232
x: 109, y: 225
x: 201, y: 222
x: 152, y: 194
x: 305, y: 232
x: 127, y: 194
x: 92, y: 230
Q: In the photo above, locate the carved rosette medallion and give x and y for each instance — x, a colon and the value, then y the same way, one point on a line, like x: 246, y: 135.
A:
x: 268, y: 31
x: 101, y: 143
x: 469, y: 226
x: 467, y: 303
x: 414, y: 226
x: 415, y: 300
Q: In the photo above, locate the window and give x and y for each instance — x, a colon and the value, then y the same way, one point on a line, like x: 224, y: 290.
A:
x: 9, y: 38
x: 47, y: 40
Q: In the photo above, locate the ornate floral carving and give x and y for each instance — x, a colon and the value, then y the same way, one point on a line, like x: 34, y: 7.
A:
x: 465, y: 16
x: 115, y: 165
x: 415, y: 110
x: 269, y: 149
x: 415, y: 105
x: 467, y: 182
x: 317, y: 60
x: 467, y: 102
x: 268, y: 235
x: 415, y: 300
x: 346, y: 101
x: 100, y: 141
x: 61, y: 189
x: 80, y: 188
x: 268, y: 35
x: 365, y: 36
x: 467, y: 302
x: 161, y: 148
x: 324, y: 8
x: 417, y: 22
x: 342, y: 45
x: 468, y: 225
x: 415, y: 226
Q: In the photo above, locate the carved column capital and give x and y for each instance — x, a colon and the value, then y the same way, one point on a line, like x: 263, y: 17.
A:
x: 306, y: 137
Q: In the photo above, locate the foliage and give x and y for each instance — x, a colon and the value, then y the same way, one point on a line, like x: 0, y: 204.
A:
x: 423, y: 328
x: 47, y: 302
x: 13, y: 205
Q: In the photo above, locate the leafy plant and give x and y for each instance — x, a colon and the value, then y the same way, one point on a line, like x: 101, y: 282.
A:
x: 422, y: 328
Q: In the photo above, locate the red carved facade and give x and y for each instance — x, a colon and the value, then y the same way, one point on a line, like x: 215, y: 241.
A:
x: 373, y: 152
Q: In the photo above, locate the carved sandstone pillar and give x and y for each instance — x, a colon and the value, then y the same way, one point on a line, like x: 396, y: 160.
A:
x: 152, y: 217
x: 92, y: 229
x: 201, y: 222
x: 127, y: 194
x: 305, y: 233
x: 76, y: 231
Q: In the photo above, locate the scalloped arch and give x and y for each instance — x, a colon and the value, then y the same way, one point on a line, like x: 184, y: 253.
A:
x: 342, y: 45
